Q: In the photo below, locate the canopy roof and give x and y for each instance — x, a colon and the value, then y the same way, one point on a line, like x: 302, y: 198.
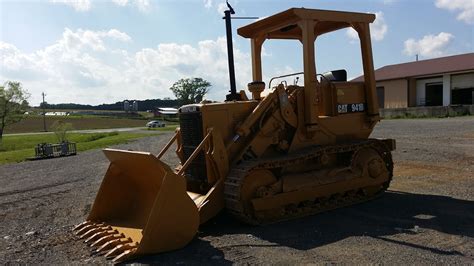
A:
x: 284, y: 25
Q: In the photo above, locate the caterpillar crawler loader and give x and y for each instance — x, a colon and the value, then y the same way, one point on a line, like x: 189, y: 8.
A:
x: 298, y: 151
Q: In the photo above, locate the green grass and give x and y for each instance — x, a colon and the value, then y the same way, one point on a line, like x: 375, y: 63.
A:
x: 19, y: 148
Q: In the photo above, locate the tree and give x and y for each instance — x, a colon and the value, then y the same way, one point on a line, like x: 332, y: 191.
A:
x: 45, y: 105
x: 61, y: 130
x: 13, y: 104
x: 190, y: 90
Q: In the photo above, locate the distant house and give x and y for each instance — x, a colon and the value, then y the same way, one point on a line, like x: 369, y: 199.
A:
x: 56, y: 114
x: 165, y: 112
x: 440, y: 81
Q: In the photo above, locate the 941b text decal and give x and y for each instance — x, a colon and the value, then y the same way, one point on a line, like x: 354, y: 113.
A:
x: 350, y: 108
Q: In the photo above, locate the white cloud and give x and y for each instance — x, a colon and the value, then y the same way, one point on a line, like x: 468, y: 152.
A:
x: 90, y: 39
x: 121, y: 36
x: 429, y: 45
x: 143, y: 5
x: 378, y: 29
x: 86, y: 66
x: 221, y: 7
x: 207, y: 3
x: 78, y: 5
x: 159, y: 68
x: 120, y: 2
x: 11, y: 57
x: 351, y: 33
x: 86, y: 5
x: 465, y: 8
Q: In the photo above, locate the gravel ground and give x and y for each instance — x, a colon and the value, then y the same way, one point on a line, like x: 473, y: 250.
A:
x: 426, y: 217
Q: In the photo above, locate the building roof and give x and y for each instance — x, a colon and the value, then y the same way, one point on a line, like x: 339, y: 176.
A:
x: 168, y: 112
x: 455, y: 63
x: 167, y: 109
x: 283, y: 25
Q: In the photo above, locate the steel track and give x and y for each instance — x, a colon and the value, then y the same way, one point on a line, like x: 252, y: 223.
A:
x: 235, y: 181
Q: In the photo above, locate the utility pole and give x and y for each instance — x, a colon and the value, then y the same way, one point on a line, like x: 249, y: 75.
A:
x: 44, y: 113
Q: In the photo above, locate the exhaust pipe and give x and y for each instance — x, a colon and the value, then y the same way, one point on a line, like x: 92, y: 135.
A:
x: 233, y: 96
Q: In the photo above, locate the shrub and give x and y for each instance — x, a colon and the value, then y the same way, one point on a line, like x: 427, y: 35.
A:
x: 61, y: 130
x: 95, y: 136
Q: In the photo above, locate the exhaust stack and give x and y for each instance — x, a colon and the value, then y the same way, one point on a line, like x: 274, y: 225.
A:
x: 233, y: 96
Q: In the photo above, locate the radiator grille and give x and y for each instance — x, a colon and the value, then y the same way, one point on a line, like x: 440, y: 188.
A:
x: 191, y: 135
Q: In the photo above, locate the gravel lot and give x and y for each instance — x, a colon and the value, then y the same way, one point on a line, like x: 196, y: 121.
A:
x: 426, y: 217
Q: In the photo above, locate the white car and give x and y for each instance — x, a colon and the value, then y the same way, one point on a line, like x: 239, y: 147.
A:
x: 155, y: 124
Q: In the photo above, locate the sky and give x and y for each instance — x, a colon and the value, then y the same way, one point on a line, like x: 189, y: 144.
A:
x: 104, y: 51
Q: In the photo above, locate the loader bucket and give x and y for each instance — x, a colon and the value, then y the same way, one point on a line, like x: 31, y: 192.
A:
x: 142, y: 207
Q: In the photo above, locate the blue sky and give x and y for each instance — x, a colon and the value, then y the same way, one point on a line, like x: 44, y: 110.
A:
x: 91, y: 51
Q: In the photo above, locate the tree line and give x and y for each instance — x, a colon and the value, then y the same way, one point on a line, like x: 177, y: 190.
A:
x: 14, y: 100
x: 143, y: 105
x: 186, y: 91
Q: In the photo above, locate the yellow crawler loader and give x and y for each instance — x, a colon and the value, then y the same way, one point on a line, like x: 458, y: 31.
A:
x: 298, y: 151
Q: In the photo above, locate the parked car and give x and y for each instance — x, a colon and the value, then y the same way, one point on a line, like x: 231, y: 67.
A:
x: 155, y: 124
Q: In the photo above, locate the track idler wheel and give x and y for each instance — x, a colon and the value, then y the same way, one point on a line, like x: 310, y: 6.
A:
x: 367, y: 162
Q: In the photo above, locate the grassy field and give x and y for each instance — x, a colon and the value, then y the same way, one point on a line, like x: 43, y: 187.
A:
x: 18, y: 148
x: 35, y: 123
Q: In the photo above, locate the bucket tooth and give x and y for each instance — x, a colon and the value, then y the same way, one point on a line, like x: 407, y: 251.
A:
x: 113, y: 243
x: 87, y: 228
x: 98, y: 235
x: 124, y: 255
x: 108, y: 245
x: 118, y: 250
x: 105, y: 239
x: 79, y: 226
x: 84, y: 229
x: 92, y: 232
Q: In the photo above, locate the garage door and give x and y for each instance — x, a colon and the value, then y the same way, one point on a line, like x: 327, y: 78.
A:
x: 462, y: 81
